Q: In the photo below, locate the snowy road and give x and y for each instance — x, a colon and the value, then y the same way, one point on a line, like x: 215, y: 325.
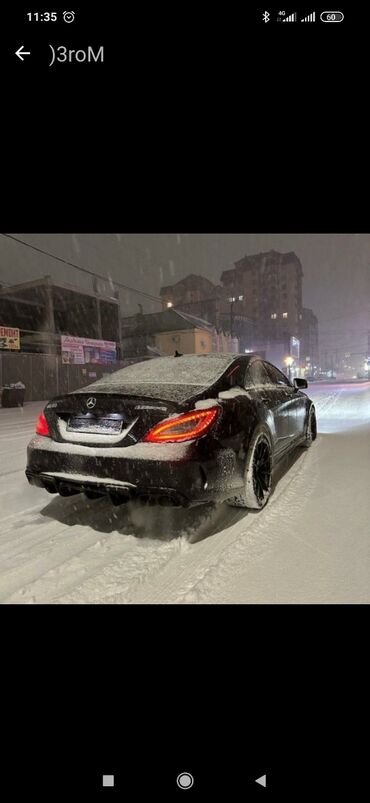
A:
x: 309, y: 545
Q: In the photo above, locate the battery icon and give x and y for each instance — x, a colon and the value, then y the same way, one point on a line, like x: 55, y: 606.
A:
x: 332, y: 16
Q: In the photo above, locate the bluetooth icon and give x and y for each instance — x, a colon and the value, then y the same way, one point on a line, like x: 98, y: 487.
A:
x: 266, y: 16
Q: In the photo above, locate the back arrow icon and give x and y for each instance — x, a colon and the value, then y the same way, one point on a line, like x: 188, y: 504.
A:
x: 20, y: 52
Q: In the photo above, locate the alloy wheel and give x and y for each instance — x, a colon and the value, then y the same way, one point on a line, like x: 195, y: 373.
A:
x: 261, y: 469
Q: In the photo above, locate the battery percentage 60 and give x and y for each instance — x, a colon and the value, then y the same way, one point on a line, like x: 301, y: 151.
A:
x: 332, y: 16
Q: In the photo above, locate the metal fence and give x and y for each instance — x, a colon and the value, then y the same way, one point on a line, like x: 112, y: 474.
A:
x: 45, y: 376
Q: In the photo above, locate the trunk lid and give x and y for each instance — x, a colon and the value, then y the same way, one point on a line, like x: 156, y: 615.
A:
x: 105, y: 419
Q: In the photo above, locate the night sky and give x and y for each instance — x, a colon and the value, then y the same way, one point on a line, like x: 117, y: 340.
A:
x: 336, y: 283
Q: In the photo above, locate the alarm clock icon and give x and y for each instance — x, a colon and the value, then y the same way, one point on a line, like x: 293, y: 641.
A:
x: 68, y: 16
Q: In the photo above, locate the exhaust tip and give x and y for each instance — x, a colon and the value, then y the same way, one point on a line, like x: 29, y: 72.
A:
x: 93, y: 494
x: 118, y: 499
x: 50, y: 488
x: 67, y: 490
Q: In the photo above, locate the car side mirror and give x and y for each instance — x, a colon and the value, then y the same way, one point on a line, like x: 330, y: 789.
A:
x: 300, y: 383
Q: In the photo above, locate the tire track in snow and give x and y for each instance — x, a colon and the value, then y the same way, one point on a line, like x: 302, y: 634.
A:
x: 26, y: 510
x: 179, y: 566
x: 252, y: 540
x: 54, y: 584
x: 324, y: 403
x: 187, y: 566
x: 106, y: 565
x: 33, y: 559
x: 141, y: 572
x: 39, y: 565
x: 111, y: 580
x: 26, y: 545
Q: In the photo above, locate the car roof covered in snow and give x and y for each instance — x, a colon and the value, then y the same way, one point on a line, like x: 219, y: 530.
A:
x: 172, y: 378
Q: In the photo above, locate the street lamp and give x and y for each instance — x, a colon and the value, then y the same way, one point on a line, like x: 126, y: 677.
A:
x: 289, y: 362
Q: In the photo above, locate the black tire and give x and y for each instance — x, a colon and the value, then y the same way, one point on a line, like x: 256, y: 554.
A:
x: 257, y: 474
x: 311, y: 429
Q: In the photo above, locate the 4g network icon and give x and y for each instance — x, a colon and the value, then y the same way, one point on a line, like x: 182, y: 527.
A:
x: 283, y: 16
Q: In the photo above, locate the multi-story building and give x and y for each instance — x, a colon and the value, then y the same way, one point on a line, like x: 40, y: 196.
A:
x: 271, y: 286
x: 198, y: 296
x: 260, y: 301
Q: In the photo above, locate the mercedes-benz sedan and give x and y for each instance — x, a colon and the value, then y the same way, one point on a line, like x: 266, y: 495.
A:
x: 181, y: 430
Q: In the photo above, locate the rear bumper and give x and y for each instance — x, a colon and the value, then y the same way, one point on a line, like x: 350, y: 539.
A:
x: 67, y: 484
x: 177, y: 477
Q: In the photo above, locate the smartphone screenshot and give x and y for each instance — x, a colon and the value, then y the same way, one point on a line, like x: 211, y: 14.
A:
x: 184, y: 402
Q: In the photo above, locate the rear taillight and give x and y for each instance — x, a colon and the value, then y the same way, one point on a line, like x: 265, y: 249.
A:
x: 42, y: 425
x: 183, y: 428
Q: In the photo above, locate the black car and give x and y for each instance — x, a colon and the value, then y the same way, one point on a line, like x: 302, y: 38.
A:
x: 182, y: 430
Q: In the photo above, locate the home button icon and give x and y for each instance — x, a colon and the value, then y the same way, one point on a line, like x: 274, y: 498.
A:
x: 185, y: 780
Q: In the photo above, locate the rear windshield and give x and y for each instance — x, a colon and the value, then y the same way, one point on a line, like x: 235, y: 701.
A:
x: 202, y: 369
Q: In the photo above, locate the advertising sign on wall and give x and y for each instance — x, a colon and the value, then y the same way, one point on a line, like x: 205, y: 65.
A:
x: 85, y: 350
x: 9, y: 338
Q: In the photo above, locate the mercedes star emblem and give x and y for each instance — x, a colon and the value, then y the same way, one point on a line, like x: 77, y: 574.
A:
x: 91, y: 402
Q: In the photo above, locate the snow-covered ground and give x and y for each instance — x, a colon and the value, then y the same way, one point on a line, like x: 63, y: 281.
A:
x: 310, y: 544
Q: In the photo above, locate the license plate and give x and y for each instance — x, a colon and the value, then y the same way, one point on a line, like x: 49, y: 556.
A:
x: 99, y: 426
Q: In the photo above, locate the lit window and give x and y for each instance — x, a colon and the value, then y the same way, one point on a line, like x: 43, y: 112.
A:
x: 273, y: 315
x: 285, y: 314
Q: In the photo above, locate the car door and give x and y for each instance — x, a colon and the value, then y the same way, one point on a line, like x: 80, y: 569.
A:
x: 287, y: 404
x: 300, y: 406
x: 273, y: 399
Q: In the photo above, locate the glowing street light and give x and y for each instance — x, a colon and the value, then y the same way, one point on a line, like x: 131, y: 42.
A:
x: 289, y: 362
x: 169, y: 304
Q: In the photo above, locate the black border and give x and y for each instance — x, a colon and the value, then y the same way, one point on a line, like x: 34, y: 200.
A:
x: 258, y: 147
x: 134, y: 688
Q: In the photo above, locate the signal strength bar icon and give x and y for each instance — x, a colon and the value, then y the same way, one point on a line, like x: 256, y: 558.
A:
x: 310, y: 18
x: 291, y: 18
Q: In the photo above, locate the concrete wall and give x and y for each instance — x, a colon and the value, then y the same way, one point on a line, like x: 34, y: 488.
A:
x: 183, y: 341
x: 188, y: 341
